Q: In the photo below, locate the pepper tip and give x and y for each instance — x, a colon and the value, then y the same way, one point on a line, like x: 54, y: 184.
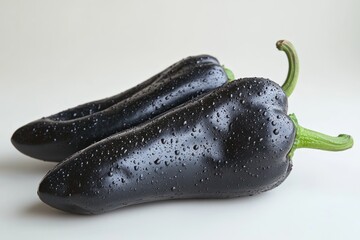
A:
x: 279, y: 44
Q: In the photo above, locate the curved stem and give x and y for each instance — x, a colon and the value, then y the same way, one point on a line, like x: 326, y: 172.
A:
x: 293, y: 72
x: 306, y: 138
x: 230, y: 75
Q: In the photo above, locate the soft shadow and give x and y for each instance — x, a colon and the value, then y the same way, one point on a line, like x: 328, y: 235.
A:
x: 40, y: 209
x: 43, y: 210
x: 24, y: 165
x: 184, y: 202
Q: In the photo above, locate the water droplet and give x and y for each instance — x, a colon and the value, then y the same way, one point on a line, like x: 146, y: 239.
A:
x: 276, y: 131
x: 157, y: 161
x: 196, y: 147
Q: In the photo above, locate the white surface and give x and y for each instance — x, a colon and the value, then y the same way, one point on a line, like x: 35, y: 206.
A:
x: 57, y: 54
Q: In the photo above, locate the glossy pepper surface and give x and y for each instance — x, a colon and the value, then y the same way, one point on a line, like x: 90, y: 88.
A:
x: 58, y: 136
x: 236, y: 140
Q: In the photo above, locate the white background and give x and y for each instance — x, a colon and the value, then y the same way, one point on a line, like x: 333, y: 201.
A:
x: 58, y: 54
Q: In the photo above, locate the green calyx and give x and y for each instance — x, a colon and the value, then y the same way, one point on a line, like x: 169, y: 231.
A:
x: 293, y: 73
x: 306, y: 138
x: 230, y: 75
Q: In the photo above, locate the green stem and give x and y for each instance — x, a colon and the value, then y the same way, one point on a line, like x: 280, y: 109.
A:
x: 293, y: 72
x: 306, y: 138
x: 230, y: 75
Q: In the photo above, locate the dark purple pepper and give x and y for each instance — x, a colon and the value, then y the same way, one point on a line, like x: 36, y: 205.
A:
x: 60, y: 135
x: 236, y: 140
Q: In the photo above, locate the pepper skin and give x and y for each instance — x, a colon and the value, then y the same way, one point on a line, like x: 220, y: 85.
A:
x: 236, y: 140
x: 232, y: 142
x: 58, y: 136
